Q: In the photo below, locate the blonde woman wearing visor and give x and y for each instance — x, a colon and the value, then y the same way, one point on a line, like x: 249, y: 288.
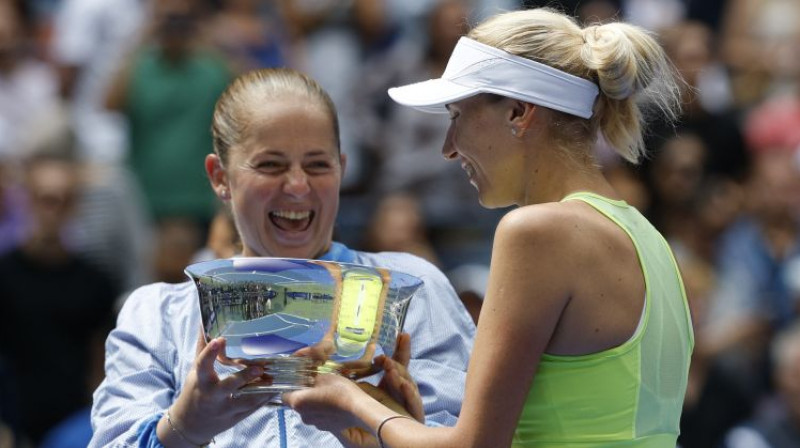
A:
x: 584, y: 338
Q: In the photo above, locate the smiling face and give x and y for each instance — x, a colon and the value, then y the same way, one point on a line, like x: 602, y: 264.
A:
x: 480, y: 139
x: 283, y: 180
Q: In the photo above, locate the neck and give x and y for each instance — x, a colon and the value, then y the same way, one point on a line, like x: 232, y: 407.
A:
x: 552, y: 175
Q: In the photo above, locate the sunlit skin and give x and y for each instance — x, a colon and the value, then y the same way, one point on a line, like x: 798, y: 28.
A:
x: 506, y: 169
x: 473, y: 142
x: 283, y: 180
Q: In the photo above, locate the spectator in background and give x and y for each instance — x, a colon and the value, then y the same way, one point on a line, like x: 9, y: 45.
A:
x: 627, y: 181
x: 759, y: 42
x: 13, y: 210
x: 56, y: 307
x: 777, y: 424
x: 250, y: 33
x: 585, y: 11
x: 90, y: 40
x: 714, y: 401
x: 708, y: 111
x: 403, y: 145
x: 654, y: 15
x: 223, y: 239
x: 330, y: 41
x: 676, y: 174
x: 28, y: 87
x: 401, y: 142
x: 709, y: 12
x: 177, y: 243
x: 167, y: 91
x: 756, y: 293
x: 398, y: 225
x: 470, y: 281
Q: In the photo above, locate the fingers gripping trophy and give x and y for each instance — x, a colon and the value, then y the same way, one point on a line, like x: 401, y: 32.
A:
x: 329, y: 317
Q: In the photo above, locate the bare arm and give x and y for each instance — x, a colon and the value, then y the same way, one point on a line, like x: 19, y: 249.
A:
x: 524, y: 301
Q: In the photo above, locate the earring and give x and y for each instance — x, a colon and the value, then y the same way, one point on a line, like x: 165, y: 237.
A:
x: 224, y: 194
x: 514, y: 132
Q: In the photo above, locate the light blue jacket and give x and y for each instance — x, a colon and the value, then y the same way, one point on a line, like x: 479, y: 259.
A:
x: 150, y: 353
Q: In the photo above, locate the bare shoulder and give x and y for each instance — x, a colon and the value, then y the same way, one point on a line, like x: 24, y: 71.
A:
x: 562, y: 239
x: 575, y: 257
x: 540, y: 246
x: 548, y: 225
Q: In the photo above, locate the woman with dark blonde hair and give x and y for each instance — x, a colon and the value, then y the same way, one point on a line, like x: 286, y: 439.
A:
x: 278, y: 166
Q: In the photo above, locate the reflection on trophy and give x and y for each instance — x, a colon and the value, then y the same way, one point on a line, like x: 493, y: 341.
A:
x: 298, y: 318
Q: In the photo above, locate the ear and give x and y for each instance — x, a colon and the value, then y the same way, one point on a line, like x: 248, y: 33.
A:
x: 218, y: 177
x: 520, y: 117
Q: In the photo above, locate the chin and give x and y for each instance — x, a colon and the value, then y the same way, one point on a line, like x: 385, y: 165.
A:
x: 284, y: 251
x: 486, y: 202
x: 304, y: 250
x: 493, y: 203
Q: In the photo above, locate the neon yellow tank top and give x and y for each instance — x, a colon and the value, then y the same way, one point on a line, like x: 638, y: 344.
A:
x: 630, y: 395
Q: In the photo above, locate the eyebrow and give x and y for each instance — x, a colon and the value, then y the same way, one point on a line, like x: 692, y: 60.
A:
x: 320, y: 152
x: 310, y: 153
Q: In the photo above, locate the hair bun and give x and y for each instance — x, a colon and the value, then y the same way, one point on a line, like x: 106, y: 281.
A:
x: 609, y: 51
x: 629, y: 66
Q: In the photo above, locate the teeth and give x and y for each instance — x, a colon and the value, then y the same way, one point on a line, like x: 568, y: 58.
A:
x: 285, y: 214
x: 468, y: 169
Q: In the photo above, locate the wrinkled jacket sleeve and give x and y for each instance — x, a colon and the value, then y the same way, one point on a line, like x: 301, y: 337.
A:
x: 141, y: 358
x: 442, y: 334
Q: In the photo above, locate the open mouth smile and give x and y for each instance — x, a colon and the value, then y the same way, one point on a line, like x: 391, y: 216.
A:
x: 291, y: 221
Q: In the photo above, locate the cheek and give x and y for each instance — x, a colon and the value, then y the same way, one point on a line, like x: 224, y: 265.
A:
x: 328, y: 193
x: 250, y: 197
x: 255, y: 187
x: 332, y: 196
x: 473, y: 136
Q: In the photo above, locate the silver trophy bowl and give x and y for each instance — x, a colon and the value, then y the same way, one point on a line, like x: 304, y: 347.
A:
x: 298, y: 318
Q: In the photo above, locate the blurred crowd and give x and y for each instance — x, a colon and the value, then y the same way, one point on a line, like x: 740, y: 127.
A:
x: 105, y: 109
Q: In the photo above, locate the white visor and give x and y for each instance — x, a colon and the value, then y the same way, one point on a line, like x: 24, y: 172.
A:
x: 476, y: 68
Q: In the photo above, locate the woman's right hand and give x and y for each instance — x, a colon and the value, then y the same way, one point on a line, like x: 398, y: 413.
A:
x: 208, y: 404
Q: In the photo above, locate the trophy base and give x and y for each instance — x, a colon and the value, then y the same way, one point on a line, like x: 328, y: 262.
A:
x: 285, y: 375
x: 252, y: 389
x: 290, y: 373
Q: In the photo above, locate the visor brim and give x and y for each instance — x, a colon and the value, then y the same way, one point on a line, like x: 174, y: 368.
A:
x: 431, y: 96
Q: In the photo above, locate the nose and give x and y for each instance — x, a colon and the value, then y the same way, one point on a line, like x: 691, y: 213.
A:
x: 296, y: 183
x: 448, y: 148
